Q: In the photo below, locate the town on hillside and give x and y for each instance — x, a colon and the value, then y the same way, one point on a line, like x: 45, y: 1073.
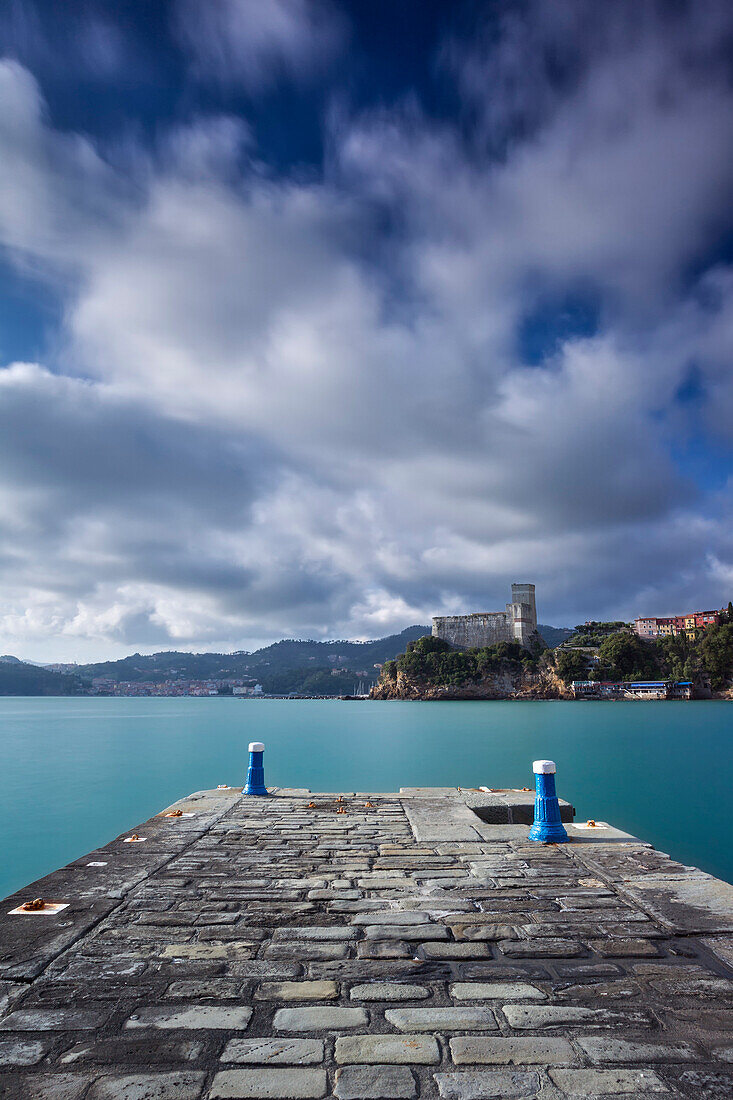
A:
x: 503, y: 654
x: 491, y: 654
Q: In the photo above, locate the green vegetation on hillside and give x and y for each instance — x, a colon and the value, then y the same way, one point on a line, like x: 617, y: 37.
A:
x: 571, y: 665
x: 624, y: 656
x: 434, y: 661
x: 554, y: 635
x: 281, y: 657
x: 313, y: 681
x: 18, y: 678
x: 594, y: 633
x: 716, y: 654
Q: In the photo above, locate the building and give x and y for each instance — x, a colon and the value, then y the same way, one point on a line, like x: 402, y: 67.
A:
x: 633, y: 689
x: 517, y: 623
x: 674, y: 625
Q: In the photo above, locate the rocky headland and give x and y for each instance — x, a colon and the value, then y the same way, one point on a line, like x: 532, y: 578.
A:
x: 508, y: 683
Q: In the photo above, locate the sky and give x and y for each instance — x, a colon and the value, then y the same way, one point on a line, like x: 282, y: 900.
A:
x: 321, y: 317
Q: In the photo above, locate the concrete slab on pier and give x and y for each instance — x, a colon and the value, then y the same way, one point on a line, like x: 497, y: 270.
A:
x: 274, y: 947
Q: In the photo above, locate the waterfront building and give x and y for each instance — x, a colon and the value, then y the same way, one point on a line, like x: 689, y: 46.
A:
x: 632, y: 689
x: 674, y: 625
x: 517, y: 623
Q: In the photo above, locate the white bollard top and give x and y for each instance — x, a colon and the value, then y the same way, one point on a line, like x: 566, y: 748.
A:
x: 544, y: 767
x: 256, y: 746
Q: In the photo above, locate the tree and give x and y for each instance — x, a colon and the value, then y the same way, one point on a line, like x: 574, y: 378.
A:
x: 716, y: 651
x: 628, y: 657
x: 571, y: 665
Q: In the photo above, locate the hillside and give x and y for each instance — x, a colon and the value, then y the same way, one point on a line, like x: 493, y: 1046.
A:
x: 278, y: 658
x: 272, y: 661
x: 554, y: 635
x: 18, y: 678
x: 432, y: 669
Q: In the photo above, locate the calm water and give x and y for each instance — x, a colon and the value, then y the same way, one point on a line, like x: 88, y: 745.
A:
x: 76, y: 772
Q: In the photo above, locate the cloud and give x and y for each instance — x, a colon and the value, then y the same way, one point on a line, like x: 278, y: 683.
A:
x: 268, y: 415
x: 253, y: 44
x: 75, y: 43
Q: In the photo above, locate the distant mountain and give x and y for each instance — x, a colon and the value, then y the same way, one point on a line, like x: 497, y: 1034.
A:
x: 279, y: 657
x: 289, y: 665
x: 18, y: 678
x: 554, y: 635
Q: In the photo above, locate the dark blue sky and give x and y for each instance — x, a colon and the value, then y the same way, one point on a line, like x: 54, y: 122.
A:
x: 318, y: 318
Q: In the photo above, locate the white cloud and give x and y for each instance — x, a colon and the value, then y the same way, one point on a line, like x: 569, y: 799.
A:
x: 252, y: 43
x: 268, y: 417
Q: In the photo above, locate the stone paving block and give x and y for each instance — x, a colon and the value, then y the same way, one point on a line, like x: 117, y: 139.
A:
x: 22, y: 1052
x: 707, y: 1084
x: 520, y: 1050
x: 391, y: 916
x: 191, y: 1017
x: 632, y: 1050
x: 297, y: 991
x: 541, y: 949
x: 333, y: 894
x: 607, y: 1082
x: 315, y: 932
x: 148, y: 1086
x: 388, y: 991
x: 43, y: 1086
x: 496, y: 991
x: 592, y: 991
x: 269, y: 1083
x: 493, y: 932
x: 458, y: 951
x: 206, y: 988
x: 453, y: 1018
x: 488, y: 1084
x: 587, y: 970
x: 695, y: 987
x: 128, y: 1051
x: 362, y: 970
x: 363, y: 905
x: 230, y: 950
x: 261, y: 968
x: 306, y: 951
x: 419, y: 932
x: 622, y: 949
x: 321, y: 1018
x: 539, y: 1016
x: 274, y: 1052
x: 56, y: 1019
x: 387, y: 1049
x: 383, y: 949
x: 374, y: 1083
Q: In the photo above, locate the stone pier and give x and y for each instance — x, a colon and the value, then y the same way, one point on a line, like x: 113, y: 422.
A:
x: 415, y: 944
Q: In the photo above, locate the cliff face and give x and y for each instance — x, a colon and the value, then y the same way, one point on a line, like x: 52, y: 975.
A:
x: 508, y: 684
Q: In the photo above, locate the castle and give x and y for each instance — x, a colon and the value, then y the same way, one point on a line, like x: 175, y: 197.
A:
x: 517, y: 624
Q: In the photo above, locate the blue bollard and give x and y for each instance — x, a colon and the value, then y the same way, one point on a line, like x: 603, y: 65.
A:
x: 547, y: 828
x: 256, y: 772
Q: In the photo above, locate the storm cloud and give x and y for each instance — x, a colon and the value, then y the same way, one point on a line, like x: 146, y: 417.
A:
x: 467, y: 348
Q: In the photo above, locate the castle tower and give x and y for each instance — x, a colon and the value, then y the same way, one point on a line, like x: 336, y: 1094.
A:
x: 524, y: 612
x: 483, y: 628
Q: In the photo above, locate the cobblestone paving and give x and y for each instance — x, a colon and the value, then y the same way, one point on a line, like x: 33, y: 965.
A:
x: 279, y: 949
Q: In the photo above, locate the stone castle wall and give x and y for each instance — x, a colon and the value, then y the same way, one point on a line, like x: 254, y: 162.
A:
x: 482, y: 628
x: 471, y: 631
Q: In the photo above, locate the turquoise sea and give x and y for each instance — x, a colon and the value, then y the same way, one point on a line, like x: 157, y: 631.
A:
x: 76, y: 772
